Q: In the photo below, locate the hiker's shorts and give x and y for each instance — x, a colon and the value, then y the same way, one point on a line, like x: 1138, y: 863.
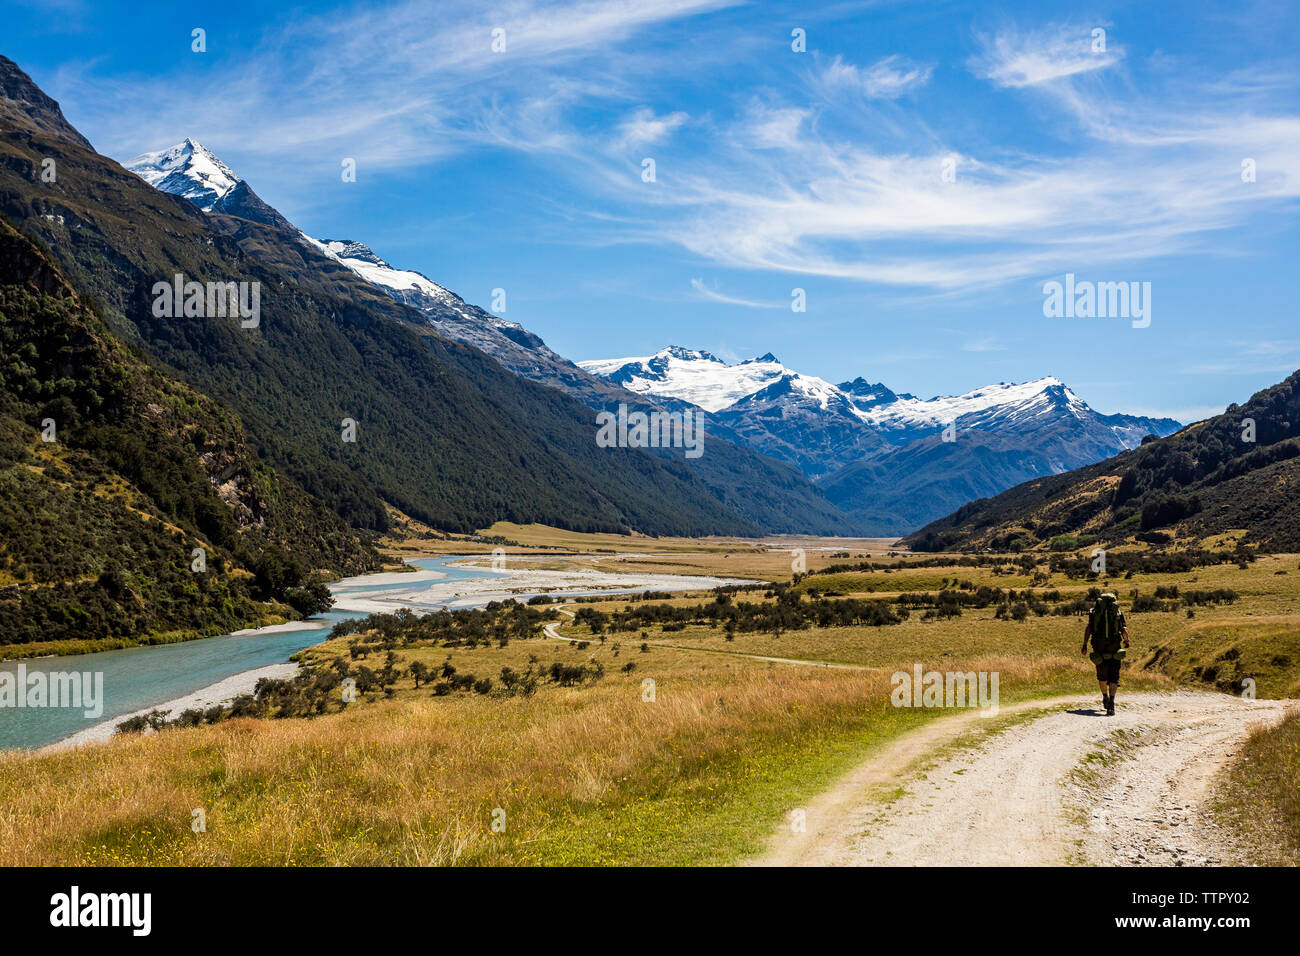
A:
x: 1108, y: 671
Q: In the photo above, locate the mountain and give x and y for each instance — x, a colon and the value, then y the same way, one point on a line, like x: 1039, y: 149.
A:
x: 443, y: 432
x: 867, y: 394
x: 797, y: 418
x: 1236, y: 472
x: 193, y: 172
x: 1001, y: 436
x: 881, y: 455
x: 113, y: 473
x: 508, y: 342
x: 770, y: 495
x: 693, y: 376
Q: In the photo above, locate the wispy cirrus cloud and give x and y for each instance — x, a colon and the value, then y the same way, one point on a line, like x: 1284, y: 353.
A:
x: 644, y: 127
x: 795, y: 178
x: 887, y: 78
x: 840, y: 206
x: 390, y: 85
x: 713, y: 295
x: 1027, y: 59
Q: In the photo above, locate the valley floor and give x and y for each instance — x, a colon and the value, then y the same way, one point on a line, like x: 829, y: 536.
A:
x: 682, y: 744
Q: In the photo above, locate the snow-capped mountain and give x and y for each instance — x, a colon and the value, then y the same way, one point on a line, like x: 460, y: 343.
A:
x: 771, y: 493
x: 705, y: 380
x: 876, y: 453
x: 449, y: 312
x: 188, y: 170
x: 696, y: 377
x: 865, y: 443
x: 192, y: 171
x: 866, y: 394
x: 195, y: 173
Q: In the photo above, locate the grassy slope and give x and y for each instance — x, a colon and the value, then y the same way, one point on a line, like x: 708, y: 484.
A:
x: 1259, y: 795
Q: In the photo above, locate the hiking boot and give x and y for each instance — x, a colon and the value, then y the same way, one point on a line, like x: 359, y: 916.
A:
x: 1105, y: 702
x: 1110, y: 706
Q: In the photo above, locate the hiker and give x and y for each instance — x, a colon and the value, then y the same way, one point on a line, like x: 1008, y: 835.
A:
x: 1109, y: 636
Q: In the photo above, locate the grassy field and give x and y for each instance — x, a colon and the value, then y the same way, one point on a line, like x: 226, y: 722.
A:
x: 1259, y: 796
x: 586, y: 774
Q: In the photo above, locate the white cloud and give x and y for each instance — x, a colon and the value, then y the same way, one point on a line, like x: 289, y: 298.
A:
x: 839, y: 177
x: 715, y: 296
x: 644, y: 128
x: 1015, y: 60
x: 767, y: 127
x: 888, y: 78
x: 1153, y: 175
x: 390, y: 85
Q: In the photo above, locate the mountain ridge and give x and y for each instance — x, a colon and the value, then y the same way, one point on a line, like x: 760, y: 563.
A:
x: 1237, y: 472
x: 768, y: 493
x: 329, y: 347
x: 881, y: 455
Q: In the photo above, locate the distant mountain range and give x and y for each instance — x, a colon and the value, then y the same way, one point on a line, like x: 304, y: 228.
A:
x: 1233, y: 476
x: 882, y: 455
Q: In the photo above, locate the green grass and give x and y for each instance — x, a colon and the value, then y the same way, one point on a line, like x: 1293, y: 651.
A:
x: 1223, y: 654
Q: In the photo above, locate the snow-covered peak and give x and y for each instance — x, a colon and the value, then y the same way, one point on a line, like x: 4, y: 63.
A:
x: 189, y: 170
x: 690, y: 375
x: 1040, y: 394
x: 448, y: 312
x: 358, y: 257
x: 705, y: 380
x: 351, y: 249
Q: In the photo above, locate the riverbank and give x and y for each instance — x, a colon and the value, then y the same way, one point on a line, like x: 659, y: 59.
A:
x: 206, y: 672
x: 433, y: 589
x: 222, y: 692
x: 75, y: 648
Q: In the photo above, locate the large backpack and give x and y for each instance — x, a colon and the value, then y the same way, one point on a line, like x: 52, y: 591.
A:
x: 1106, y: 637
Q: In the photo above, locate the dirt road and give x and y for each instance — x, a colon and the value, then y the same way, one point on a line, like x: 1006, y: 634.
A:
x: 1058, y: 784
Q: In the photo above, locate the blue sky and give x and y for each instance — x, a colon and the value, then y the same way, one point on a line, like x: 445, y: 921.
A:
x: 774, y: 170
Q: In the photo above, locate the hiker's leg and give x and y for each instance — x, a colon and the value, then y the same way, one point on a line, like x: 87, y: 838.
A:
x: 1113, y: 688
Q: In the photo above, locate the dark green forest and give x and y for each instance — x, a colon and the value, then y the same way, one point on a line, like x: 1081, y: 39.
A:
x: 98, y: 526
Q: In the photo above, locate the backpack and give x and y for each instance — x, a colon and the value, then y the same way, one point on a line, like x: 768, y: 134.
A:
x: 1106, y: 637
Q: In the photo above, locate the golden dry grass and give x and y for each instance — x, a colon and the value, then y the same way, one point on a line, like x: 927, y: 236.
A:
x: 1259, y: 795
x: 590, y: 774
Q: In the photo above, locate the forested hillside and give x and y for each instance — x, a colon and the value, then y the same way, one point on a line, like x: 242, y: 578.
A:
x: 113, y: 474
x: 442, y: 431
